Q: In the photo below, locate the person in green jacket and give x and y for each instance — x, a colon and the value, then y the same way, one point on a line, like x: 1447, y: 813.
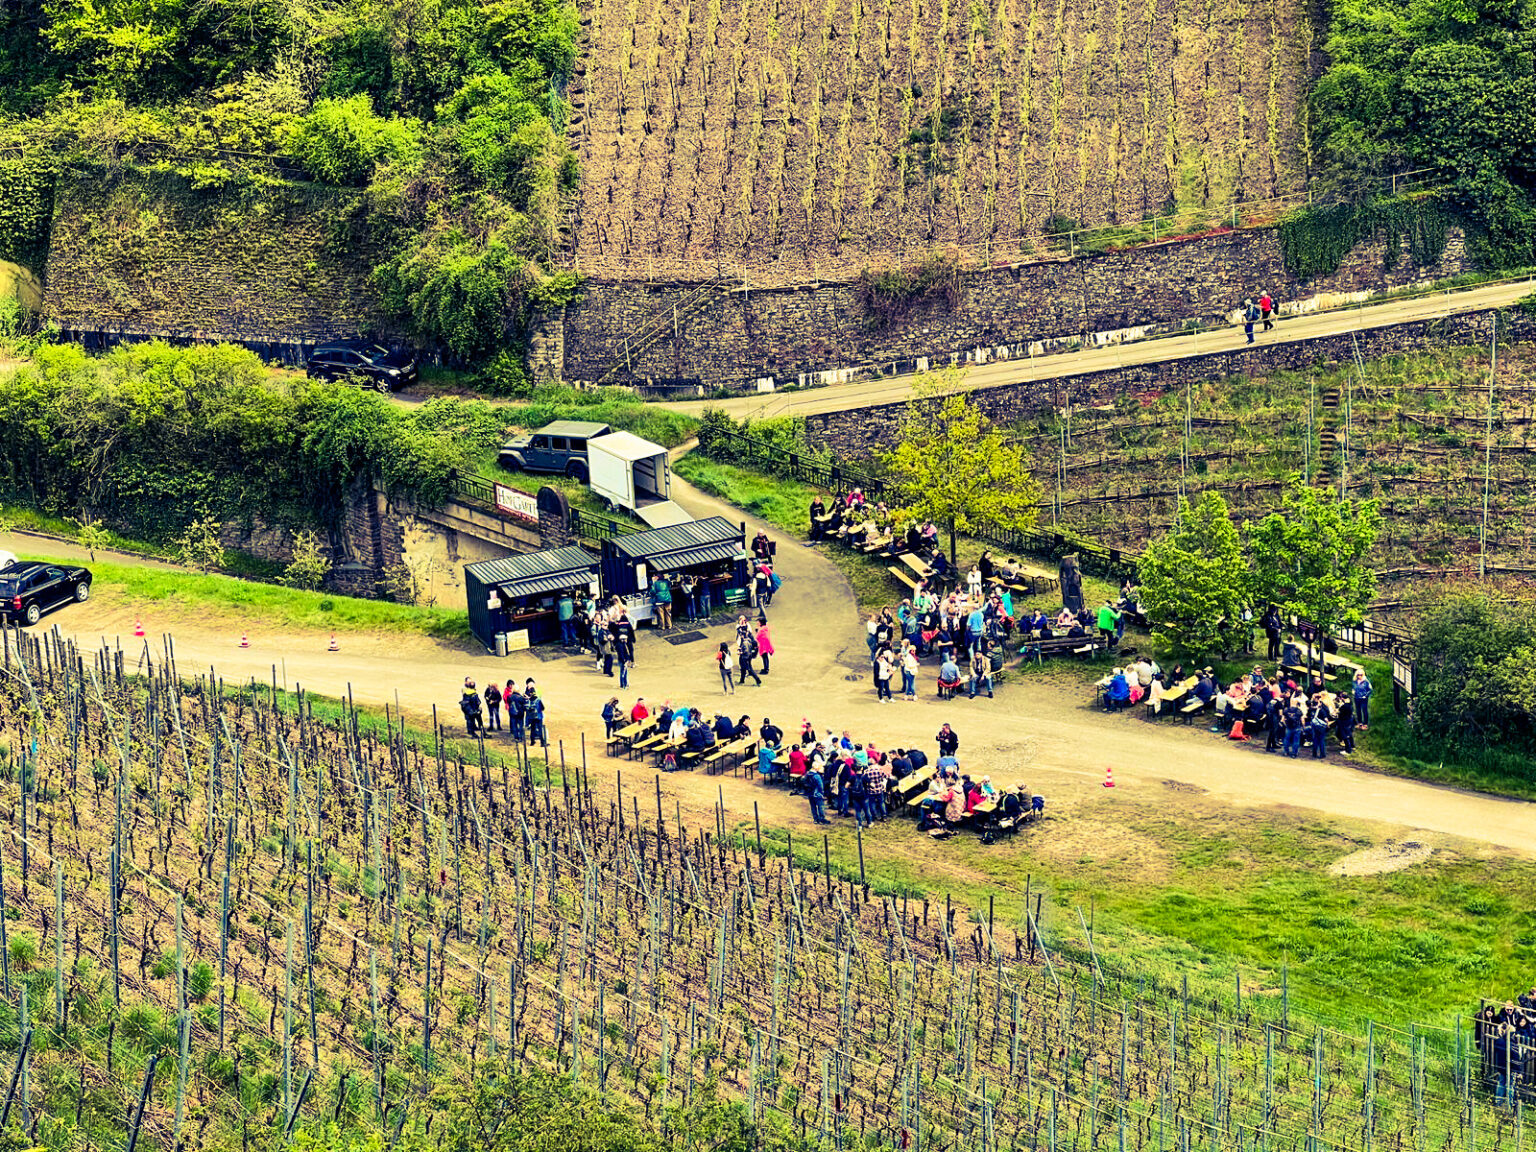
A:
x: 565, y: 611
x: 1109, y: 620
x: 661, y: 600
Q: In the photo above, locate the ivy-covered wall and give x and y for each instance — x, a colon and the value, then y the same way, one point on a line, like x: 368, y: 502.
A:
x: 143, y: 254
x: 26, y: 205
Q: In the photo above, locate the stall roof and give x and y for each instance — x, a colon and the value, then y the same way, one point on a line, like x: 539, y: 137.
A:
x: 626, y: 446
x: 534, y: 573
x: 696, y: 542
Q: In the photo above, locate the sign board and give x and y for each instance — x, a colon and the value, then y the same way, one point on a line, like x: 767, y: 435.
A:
x: 1402, y: 674
x: 517, y: 641
x: 511, y: 502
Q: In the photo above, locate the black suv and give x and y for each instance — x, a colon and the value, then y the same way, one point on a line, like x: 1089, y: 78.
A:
x: 27, y: 590
x: 363, y: 361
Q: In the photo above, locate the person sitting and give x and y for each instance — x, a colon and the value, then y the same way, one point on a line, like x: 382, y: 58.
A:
x: 1011, y: 806
x: 949, y: 676
x: 797, y: 763
x: 1205, y: 688
x: 1290, y: 655
x: 1077, y: 631
x: 766, y: 755
x: 699, y: 737
x: 917, y: 758
x: 724, y: 727
x: 981, y: 674
x: 1117, y: 693
x: 677, y: 731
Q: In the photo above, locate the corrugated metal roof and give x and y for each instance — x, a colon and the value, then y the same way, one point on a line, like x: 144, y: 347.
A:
x: 696, y: 534
x: 624, y: 446
x: 551, y: 569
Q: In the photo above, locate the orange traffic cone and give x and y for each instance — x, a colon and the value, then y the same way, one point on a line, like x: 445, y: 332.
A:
x: 138, y: 628
x: 245, y: 640
x: 1109, y: 777
x: 335, y: 647
x: 1237, y: 731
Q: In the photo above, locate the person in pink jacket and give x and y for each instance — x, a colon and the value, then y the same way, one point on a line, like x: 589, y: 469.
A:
x: 764, y: 645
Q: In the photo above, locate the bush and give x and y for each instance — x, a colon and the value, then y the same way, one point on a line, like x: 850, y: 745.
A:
x: 1472, y: 678
x: 342, y: 141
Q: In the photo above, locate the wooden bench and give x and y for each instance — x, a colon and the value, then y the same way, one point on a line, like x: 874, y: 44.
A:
x: 1193, y: 708
x: 904, y: 577
x: 1171, y: 696
x: 721, y: 752
x: 1084, y: 646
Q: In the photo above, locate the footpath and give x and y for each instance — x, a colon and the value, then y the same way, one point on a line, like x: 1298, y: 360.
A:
x: 1289, y: 329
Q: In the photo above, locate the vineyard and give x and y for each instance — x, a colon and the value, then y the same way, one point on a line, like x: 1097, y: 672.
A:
x: 1413, y: 431
x: 230, y: 914
x: 785, y: 138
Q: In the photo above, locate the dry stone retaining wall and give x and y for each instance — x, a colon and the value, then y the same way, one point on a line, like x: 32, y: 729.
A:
x: 813, y: 334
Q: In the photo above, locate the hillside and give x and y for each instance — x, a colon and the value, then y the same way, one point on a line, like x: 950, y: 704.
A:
x: 789, y: 139
x: 1411, y: 430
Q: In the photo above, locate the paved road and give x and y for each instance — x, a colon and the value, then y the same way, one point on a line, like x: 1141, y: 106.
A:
x: 839, y: 397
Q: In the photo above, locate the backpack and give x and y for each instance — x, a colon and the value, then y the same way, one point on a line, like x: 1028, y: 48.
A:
x: 725, y: 659
x: 749, y: 646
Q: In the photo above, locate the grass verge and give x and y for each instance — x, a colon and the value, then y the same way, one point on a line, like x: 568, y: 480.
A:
x: 212, y: 597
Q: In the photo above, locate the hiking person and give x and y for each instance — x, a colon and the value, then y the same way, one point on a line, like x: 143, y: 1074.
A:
x: 746, y: 652
x: 1250, y: 316
x: 493, y: 706
x: 469, y: 704
x: 1267, y: 309
x: 622, y: 630
x: 517, y: 709
x: 816, y: 792
x: 535, y: 713
x: 661, y: 600
x: 1361, y: 690
x: 764, y: 644
x: 727, y: 662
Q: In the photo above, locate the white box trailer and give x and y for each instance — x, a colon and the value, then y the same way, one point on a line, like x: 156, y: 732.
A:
x: 632, y: 473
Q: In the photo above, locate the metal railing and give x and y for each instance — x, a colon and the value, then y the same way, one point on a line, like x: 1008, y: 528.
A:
x: 481, y: 493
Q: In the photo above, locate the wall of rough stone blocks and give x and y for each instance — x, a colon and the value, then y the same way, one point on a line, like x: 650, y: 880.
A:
x: 735, y: 336
x: 856, y: 432
x: 144, y: 255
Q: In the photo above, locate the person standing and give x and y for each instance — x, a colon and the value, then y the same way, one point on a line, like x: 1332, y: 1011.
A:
x: 1361, y: 690
x: 1271, y: 625
x: 661, y: 600
x: 816, y: 793
x: 948, y: 741
x: 883, y: 668
x: 1109, y: 622
x: 1344, y: 725
x: 909, y: 666
x: 469, y: 704
x: 1293, y: 720
x: 727, y: 662
x: 1250, y: 316
x: 565, y: 611
x: 1320, y: 718
x: 613, y: 716
x: 535, y: 709
x: 1267, y: 309
x: 622, y: 630
x: 493, y: 706
x: 746, y: 652
x: 764, y: 644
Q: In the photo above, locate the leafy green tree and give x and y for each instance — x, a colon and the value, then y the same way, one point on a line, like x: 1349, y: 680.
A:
x: 1310, y: 557
x: 1194, y: 581
x: 310, y: 565
x: 955, y: 467
x: 342, y: 141
x: 1472, y: 676
x: 199, y: 547
x: 90, y: 535
x: 123, y: 47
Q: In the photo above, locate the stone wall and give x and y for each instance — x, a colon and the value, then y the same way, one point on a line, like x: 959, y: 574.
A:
x: 735, y: 336
x: 137, y: 254
x: 854, y: 433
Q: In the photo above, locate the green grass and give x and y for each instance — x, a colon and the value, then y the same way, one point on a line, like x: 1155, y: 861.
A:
x: 1235, y: 892
x: 212, y: 596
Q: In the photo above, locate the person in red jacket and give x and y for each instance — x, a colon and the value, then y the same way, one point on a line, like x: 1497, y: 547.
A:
x: 639, y: 713
x: 1267, y: 309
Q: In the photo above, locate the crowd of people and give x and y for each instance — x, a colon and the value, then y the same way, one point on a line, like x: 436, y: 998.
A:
x: 1292, y: 711
x: 524, y: 706
x: 1506, y: 1037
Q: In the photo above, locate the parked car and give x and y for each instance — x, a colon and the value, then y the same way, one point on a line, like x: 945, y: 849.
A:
x: 364, y: 362
x: 559, y: 447
x: 28, y: 590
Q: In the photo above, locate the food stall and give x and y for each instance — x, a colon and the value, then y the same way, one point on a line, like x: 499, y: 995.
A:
x: 516, y: 597
x: 714, y: 550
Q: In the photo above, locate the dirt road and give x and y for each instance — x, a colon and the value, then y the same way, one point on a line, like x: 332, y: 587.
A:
x: 1042, y: 734
x: 840, y: 397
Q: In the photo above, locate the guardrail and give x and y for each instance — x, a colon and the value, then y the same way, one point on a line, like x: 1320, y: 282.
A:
x: 481, y: 492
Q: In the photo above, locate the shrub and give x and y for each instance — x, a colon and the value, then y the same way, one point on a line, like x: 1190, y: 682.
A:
x: 310, y: 565
x: 342, y: 141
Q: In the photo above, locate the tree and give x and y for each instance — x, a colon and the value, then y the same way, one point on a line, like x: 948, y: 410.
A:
x: 1472, y: 676
x: 1194, y: 581
x: 310, y: 565
x: 1310, y: 557
x: 953, y: 466
x: 199, y: 547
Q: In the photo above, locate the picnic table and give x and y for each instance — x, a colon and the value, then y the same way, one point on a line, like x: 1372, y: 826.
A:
x: 917, y: 564
x: 627, y: 734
